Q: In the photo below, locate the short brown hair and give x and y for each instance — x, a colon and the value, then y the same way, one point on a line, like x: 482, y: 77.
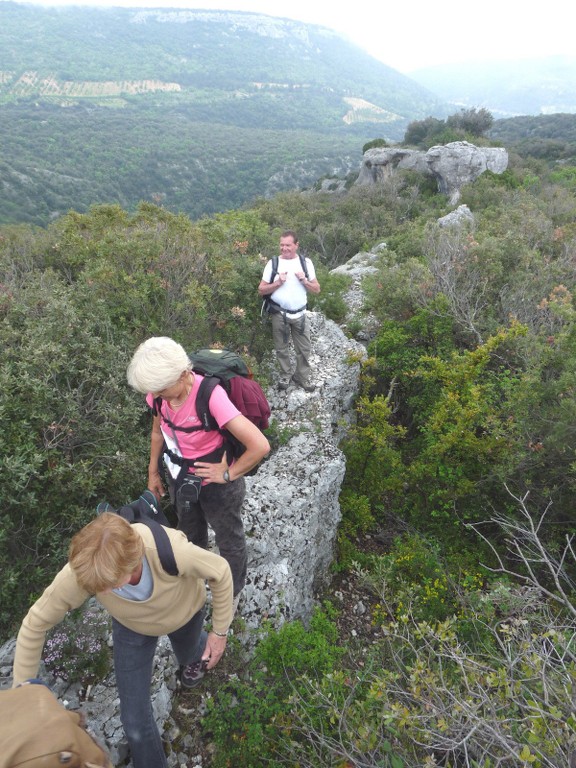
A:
x: 105, y: 551
x: 290, y: 233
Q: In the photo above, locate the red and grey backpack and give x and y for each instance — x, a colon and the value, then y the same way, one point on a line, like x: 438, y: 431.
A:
x: 224, y: 367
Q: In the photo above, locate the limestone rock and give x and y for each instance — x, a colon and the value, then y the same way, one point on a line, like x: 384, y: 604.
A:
x: 459, y: 163
x: 380, y: 163
x: 291, y: 511
x: 452, y: 165
x: 363, y: 323
x: 460, y: 217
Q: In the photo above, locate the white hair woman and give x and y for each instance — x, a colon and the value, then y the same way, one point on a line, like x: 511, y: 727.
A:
x: 206, y: 484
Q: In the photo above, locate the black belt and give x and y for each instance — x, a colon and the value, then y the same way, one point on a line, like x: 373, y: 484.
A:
x: 287, y: 311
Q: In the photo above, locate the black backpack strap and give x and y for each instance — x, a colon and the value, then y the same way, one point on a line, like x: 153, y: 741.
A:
x: 207, y: 386
x: 163, y: 546
x: 274, y: 269
x: 213, y: 457
x: 304, y: 265
x: 157, y: 411
x: 137, y: 512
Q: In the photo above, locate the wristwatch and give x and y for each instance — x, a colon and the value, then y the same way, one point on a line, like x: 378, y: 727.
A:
x: 226, y: 476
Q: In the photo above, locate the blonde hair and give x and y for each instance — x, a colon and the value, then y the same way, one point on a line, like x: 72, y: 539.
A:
x: 104, y: 552
x: 157, y: 364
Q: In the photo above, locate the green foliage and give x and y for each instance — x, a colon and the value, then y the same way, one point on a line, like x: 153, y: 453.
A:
x: 330, y: 301
x: 374, y: 144
x: 416, y: 579
x: 421, y: 133
x: 334, y: 227
x: 467, y: 124
x: 474, y: 121
x: 548, y: 137
x: 357, y: 519
x: 245, y: 718
x: 465, y: 431
x: 64, y: 423
x: 372, y: 446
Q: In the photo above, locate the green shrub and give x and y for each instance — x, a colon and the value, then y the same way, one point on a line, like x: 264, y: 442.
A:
x: 245, y: 716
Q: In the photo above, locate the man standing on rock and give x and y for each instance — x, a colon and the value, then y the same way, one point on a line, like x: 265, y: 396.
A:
x: 286, y: 281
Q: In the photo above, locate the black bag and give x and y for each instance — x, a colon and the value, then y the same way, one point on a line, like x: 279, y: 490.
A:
x: 146, y: 510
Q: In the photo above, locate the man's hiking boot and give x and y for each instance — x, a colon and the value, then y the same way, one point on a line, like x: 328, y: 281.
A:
x: 305, y: 387
x: 283, y: 384
x: 191, y: 675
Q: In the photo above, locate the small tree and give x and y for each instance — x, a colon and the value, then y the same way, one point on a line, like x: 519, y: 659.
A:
x: 375, y: 143
x: 420, y: 132
x: 473, y: 121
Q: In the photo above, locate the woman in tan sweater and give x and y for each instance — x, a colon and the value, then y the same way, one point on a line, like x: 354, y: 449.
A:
x: 119, y: 564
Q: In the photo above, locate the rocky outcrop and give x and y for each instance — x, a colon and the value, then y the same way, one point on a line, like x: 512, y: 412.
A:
x: 460, y: 163
x: 291, y: 516
x: 461, y: 217
x: 381, y: 163
x: 452, y: 165
x: 359, y: 322
x: 291, y: 512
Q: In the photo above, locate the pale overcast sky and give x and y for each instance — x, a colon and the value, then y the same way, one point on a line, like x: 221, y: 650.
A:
x: 419, y: 34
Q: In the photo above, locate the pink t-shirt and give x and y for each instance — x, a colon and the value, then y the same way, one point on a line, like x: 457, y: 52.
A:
x: 192, y: 445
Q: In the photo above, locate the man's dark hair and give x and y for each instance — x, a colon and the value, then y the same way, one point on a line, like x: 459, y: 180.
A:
x: 290, y: 233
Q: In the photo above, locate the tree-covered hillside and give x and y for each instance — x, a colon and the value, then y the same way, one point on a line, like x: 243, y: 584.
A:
x: 197, y: 50
x: 199, y: 111
x: 550, y: 137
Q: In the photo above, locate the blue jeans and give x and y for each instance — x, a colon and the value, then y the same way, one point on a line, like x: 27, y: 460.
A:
x: 133, y: 663
x: 220, y: 507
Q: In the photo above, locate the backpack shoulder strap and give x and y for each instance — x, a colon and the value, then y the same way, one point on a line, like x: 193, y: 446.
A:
x: 274, y: 268
x: 157, y: 411
x: 304, y: 265
x: 163, y: 546
x: 209, y: 423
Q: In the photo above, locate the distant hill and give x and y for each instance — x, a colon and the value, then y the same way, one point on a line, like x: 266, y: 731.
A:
x: 549, y: 137
x: 538, y: 86
x: 198, y: 110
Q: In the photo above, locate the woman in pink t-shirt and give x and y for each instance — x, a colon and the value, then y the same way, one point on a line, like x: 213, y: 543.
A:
x: 211, y: 488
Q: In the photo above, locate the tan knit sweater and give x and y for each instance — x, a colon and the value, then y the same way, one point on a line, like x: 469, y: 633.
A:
x: 174, y: 600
